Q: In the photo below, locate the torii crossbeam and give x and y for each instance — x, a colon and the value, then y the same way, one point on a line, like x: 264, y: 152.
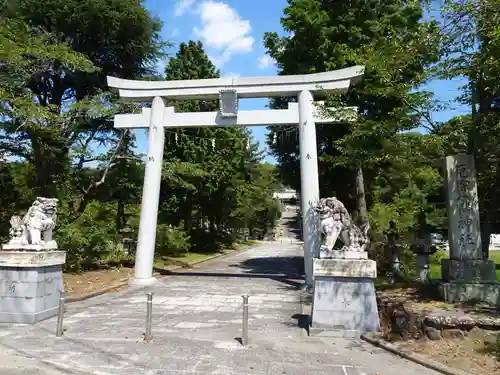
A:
x: 229, y: 90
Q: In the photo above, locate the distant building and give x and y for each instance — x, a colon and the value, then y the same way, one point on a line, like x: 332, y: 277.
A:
x: 285, y: 194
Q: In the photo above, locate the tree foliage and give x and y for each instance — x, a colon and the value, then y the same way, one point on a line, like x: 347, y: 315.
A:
x: 57, y: 136
x: 214, y: 180
x: 472, y: 50
x: 396, y: 46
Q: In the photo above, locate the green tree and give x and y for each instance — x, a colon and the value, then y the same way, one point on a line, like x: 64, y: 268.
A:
x: 125, y: 176
x: 56, y: 118
x: 68, y: 114
x: 213, y: 182
x: 472, y: 50
x: 187, y: 149
x: 409, y: 183
x: 394, y: 44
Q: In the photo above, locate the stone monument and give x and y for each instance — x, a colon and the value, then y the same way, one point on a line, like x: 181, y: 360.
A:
x: 467, y: 277
x: 344, y: 302
x: 31, y: 266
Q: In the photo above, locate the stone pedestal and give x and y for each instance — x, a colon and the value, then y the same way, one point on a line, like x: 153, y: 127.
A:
x: 342, y: 254
x: 30, y: 283
x: 469, y: 281
x: 466, y: 276
x: 468, y: 271
x: 344, y: 301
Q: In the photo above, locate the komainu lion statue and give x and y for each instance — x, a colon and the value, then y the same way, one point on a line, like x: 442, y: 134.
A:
x: 335, y: 222
x: 35, y: 228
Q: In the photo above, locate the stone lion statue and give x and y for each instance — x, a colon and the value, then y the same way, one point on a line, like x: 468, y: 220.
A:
x: 336, y: 221
x: 35, y: 228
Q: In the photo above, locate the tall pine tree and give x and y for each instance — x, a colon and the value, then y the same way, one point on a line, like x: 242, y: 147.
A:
x: 390, y: 39
x: 209, y: 172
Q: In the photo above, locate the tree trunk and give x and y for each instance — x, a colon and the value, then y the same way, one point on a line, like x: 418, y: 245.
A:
x: 120, y: 215
x: 490, y: 210
x: 188, y: 213
x: 42, y: 174
x: 485, y: 236
x: 361, y: 211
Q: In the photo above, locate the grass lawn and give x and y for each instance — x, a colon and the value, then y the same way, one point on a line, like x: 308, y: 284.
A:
x: 191, y: 257
x: 182, y: 260
x: 185, y: 260
x: 435, y: 263
x: 77, y: 284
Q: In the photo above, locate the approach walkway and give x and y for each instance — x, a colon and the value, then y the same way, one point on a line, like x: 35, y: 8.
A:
x: 196, y: 323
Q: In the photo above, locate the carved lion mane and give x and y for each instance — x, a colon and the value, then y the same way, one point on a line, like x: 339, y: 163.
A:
x: 36, y: 226
x: 336, y: 221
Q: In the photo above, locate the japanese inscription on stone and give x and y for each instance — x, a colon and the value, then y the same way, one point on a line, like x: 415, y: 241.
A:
x: 466, y: 202
x: 463, y: 209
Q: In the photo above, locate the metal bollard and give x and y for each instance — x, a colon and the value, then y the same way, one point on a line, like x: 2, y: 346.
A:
x: 149, y: 316
x: 244, y: 334
x: 60, y: 315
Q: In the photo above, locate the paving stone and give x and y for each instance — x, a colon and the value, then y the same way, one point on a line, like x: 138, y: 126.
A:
x: 196, y: 324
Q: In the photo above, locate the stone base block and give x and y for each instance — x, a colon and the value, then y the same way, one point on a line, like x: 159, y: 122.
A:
x: 138, y: 283
x: 344, y: 305
x: 30, y: 284
x: 365, y: 268
x: 469, y: 271
x: 49, y: 246
x: 471, y: 292
x: 342, y: 254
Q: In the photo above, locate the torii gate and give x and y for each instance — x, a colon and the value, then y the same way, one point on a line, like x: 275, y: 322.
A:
x: 228, y: 90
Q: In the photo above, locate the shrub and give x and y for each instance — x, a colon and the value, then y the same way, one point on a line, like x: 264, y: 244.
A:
x: 171, y: 241
x: 91, y: 240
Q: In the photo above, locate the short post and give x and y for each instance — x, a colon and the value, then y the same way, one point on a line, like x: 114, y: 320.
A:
x: 60, y: 315
x: 149, y: 316
x: 244, y: 334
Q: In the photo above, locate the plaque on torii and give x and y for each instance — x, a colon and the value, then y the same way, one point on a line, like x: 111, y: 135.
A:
x: 228, y: 103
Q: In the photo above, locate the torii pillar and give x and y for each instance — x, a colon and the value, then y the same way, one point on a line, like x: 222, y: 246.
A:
x: 228, y: 90
x: 309, y: 181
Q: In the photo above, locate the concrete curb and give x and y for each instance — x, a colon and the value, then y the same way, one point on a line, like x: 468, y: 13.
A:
x: 426, y: 362
x: 124, y: 282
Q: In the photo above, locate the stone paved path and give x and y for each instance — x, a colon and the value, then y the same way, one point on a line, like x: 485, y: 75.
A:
x: 196, y: 321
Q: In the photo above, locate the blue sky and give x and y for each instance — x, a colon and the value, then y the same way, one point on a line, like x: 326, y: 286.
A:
x: 232, y: 33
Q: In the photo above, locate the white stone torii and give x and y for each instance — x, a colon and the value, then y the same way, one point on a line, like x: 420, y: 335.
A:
x: 228, y: 90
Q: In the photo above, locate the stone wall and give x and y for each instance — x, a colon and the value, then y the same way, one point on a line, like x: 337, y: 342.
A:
x: 399, y: 322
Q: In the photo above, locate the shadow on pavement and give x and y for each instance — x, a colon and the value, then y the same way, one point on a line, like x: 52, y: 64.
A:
x: 290, y: 266
x: 287, y: 270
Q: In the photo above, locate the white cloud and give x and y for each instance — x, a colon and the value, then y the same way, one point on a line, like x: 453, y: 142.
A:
x: 175, y: 32
x: 223, y: 30
x: 183, y: 6
x: 265, y: 61
x: 160, y: 66
x: 220, y: 60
